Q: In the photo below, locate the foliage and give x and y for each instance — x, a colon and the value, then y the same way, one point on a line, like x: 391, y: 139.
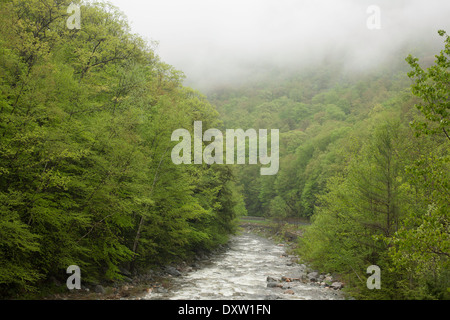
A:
x: 432, y: 87
x: 86, y: 118
x: 368, y: 169
x: 86, y: 177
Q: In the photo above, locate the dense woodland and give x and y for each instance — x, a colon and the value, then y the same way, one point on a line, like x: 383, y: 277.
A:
x: 86, y: 176
x: 364, y: 156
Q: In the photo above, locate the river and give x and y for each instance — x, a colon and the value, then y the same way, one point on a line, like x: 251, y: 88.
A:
x: 241, y: 273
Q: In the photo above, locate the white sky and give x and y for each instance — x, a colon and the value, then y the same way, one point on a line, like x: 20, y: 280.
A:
x: 218, y: 40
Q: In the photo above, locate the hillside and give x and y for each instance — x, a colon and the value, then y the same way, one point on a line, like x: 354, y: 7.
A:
x: 362, y: 162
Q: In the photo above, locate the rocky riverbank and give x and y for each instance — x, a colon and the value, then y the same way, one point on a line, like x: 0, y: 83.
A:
x: 136, y: 286
x: 255, y: 268
x: 227, y: 272
x: 288, y: 236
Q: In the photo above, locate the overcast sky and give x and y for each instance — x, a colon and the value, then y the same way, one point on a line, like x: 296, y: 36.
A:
x: 217, y: 40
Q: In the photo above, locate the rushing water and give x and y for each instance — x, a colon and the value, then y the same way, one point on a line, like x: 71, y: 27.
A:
x: 241, y: 273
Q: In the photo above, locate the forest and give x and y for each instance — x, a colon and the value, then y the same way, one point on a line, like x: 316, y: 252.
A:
x: 365, y: 158
x: 86, y: 176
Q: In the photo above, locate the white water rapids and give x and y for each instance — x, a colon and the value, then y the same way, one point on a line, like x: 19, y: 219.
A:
x: 241, y: 273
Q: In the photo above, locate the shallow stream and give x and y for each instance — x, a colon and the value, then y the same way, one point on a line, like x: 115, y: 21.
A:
x: 241, y: 273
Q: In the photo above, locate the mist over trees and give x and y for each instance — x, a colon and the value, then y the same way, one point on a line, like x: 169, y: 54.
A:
x: 86, y: 176
x: 365, y: 157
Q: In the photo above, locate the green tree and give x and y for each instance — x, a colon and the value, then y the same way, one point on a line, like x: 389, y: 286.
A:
x: 422, y: 245
x: 361, y: 210
x: 432, y: 87
x: 86, y: 118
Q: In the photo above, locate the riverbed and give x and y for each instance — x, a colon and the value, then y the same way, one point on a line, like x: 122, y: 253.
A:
x: 252, y: 268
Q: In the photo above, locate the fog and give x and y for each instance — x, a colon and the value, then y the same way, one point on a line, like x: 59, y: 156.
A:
x: 217, y: 41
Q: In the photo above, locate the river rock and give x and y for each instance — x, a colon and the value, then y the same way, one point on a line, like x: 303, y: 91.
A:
x: 161, y: 290
x: 312, y: 276
x: 270, y: 279
x: 196, y: 266
x: 289, y: 291
x: 274, y: 285
x: 99, y: 289
x: 173, y: 271
x: 337, y: 285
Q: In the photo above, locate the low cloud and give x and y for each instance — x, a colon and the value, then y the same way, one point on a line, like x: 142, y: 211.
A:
x: 217, y: 41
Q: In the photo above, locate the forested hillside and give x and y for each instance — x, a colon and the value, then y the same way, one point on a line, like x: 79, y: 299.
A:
x: 87, y: 179
x: 86, y: 176
x: 323, y: 114
x: 368, y: 168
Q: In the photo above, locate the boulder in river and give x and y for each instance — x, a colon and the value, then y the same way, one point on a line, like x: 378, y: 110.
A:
x: 274, y: 285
